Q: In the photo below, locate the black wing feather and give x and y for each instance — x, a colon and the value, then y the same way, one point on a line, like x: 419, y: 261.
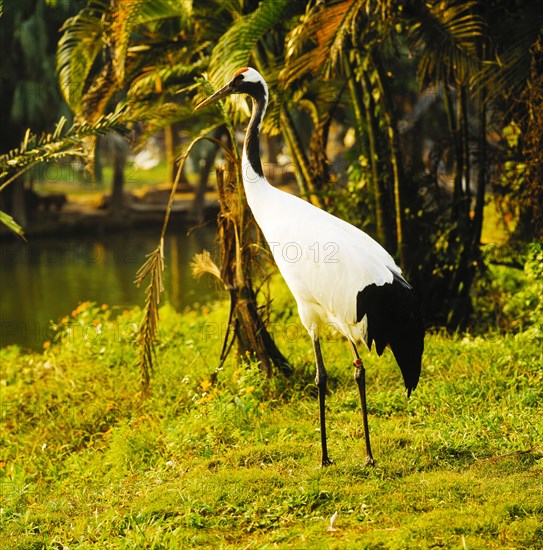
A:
x: 394, y: 319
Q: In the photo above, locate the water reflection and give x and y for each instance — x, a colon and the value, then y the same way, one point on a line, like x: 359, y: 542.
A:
x: 47, y: 278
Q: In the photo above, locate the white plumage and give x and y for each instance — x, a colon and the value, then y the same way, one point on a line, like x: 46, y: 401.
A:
x: 339, y: 276
x: 311, y: 248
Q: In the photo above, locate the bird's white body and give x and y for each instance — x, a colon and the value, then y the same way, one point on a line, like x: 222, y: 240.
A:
x: 312, y: 249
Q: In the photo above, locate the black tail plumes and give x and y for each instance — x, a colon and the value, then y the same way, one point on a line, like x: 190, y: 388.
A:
x: 394, y: 319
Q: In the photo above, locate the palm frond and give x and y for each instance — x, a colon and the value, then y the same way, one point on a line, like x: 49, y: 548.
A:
x: 318, y: 41
x: 118, y: 24
x: 507, y: 74
x: 104, y: 27
x: 446, y: 32
x: 272, y: 122
x: 153, y: 80
x: 12, y: 225
x: 35, y: 149
x: 156, y: 116
x: 97, y: 96
x: 153, y: 268
x: 78, y: 49
x: 123, y: 16
x: 235, y: 46
x: 158, y: 10
x: 59, y: 143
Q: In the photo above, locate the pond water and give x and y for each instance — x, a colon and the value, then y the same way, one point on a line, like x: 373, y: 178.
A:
x: 46, y: 278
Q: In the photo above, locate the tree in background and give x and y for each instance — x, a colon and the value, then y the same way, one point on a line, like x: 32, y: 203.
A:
x: 530, y: 192
x: 514, y: 90
x: 371, y: 45
x: 432, y: 90
x: 29, y: 91
x: 459, y: 50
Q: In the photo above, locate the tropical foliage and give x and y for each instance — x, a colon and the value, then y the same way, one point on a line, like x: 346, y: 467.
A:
x: 439, y: 103
x: 28, y: 85
x: 414, y: 121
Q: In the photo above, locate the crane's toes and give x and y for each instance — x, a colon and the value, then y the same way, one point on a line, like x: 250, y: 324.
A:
x: 326, y: 462
x: 370, y: 461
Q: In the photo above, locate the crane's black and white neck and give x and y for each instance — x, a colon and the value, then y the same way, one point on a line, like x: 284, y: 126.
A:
x: 255, y: 86
x: 247, y: 81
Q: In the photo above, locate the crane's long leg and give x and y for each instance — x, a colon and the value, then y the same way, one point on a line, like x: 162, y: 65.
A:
x: 360, y: 379
x: 320, y: 380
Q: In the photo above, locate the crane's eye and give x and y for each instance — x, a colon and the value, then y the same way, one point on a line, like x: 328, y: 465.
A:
x: 237, y: 81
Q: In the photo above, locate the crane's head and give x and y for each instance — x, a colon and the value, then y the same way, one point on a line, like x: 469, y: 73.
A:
x: 245, y: 81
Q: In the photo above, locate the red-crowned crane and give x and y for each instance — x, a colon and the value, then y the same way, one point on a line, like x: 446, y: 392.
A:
x: 338, y: 275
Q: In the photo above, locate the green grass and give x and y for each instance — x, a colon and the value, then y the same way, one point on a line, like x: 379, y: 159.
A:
x: 85, y: 463
x: 58, y: 178
x: 495, y: 229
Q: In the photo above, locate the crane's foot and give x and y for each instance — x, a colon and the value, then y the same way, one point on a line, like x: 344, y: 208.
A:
x: 370, y: 461
x: 326, y: 462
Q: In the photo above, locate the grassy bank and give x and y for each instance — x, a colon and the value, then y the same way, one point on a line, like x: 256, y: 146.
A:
x: 235, y: 463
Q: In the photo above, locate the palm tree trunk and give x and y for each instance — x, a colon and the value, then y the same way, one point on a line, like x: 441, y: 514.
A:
x: 465, y: 143
x: 457, y: 159
x: 119, y: 149
x: 471, y: 237
x: 117, y: 192
x: 245, y: 321
x: 396, y: 164
x: 18, y: 202
x: 364, y: 112
x: 297, y: 153
x: 379, y: 194
x: 169, y: 150
x: 481, y: 160
x: 481, y: 173
x: 207, y: 162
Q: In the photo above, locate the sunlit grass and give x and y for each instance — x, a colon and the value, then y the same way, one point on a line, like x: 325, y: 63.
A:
x: 496, y: 228
x: 235, y: 463
x: 71, y: 179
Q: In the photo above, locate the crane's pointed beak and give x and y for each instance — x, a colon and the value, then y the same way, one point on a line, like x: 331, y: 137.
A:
x: 223, y: 92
